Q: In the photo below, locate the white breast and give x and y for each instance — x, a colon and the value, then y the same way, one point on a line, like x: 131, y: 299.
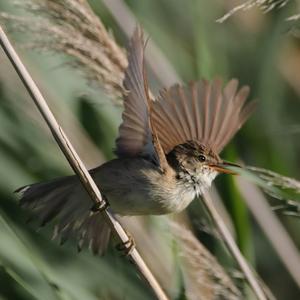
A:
x: 188, y: 187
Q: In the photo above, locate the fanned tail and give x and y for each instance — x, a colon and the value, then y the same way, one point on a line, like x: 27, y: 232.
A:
x: 66, y: 201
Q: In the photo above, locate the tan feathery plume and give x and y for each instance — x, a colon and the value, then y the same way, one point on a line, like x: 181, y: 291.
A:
x: 264, y: 5
x: 71, y: 27
x: 203, y: 276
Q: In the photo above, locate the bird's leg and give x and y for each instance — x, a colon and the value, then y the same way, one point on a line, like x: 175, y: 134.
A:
x: 128, y: 246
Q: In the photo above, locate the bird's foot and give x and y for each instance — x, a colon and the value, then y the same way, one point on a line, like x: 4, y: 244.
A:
x: 128, y: 246
x: 100, y: 206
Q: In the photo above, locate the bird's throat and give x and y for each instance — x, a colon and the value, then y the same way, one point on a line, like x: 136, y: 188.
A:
x: 198, y: 182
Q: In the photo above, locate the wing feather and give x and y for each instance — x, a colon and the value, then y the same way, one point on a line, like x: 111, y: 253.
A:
x: 137, y: 137
x: 196, y: 111
x: 202, y: 111
x: 206, y: 95
x: 216, y: 103
x: 168, y: 117
x: 135, y: 117
x: 232, y: 115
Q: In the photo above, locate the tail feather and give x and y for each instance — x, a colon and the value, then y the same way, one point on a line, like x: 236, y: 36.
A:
x: 36, y: 190
x: 65, y: 201
x: 95, y: 242
x: 47, y: 215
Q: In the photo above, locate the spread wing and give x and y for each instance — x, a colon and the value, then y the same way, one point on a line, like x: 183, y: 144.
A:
x: 137, y: 137
x: 202, y: 111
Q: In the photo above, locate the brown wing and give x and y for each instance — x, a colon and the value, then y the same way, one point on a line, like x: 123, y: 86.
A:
x: 201, y: 112
x: 136, y: 136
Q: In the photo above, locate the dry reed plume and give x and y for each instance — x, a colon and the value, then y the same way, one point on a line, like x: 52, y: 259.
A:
x: 264, y: 5
x: 71, y: 27
x: 202, y: 273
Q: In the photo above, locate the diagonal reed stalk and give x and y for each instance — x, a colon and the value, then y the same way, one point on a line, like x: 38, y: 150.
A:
x: 76, y: 163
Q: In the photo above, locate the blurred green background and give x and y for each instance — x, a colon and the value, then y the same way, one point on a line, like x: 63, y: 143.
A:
x: 262, y: 50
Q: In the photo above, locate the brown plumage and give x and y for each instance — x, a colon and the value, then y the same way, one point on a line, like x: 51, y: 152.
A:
x: 202, y: 112
x: 137, y: 133
x: 168, y: 152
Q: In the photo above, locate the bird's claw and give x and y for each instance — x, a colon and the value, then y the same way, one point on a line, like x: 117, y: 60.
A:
x: 100, y: 206
x: 127, y: 247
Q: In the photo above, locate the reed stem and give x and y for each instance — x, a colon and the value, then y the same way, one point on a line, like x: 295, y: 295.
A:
x: 76, y: 163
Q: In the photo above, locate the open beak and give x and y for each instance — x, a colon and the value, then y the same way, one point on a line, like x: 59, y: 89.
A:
x: 222, y: 167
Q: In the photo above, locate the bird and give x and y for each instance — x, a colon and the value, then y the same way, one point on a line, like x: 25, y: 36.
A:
x: 167, y: 154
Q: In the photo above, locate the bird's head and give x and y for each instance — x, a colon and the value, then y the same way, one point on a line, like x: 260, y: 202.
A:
x: 197, y: 163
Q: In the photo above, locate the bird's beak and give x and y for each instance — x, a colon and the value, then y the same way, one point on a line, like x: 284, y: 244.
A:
x: 224, y: 167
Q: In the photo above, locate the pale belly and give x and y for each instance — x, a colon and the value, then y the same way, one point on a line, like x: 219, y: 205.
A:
x: 136, y: 187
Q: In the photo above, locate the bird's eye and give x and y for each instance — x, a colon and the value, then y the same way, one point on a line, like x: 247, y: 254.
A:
x: 202, y: 158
